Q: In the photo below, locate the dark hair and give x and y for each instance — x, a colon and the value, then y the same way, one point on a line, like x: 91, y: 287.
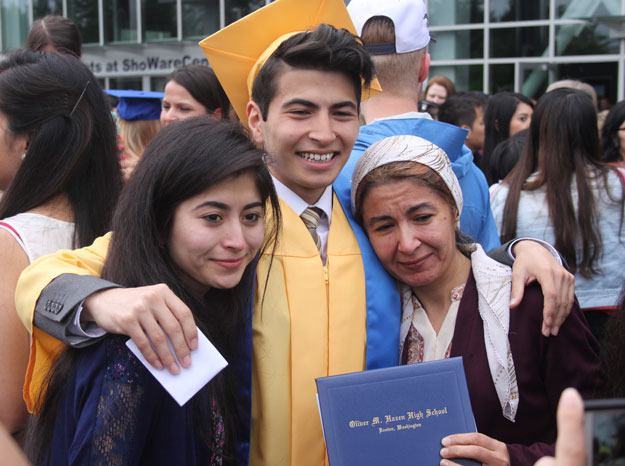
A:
x: 478, y: 95
x: 460, y: 109
x: 112, y: 101
x: 202, y: 83
x: 54, y: 100
x: 575, y: 84
x: 507, y: 154
x: 324, y: 49
x: 562, y: 146
x: 497, y: 116
x: 56, y: 31
x: 609, y: 134
x: 184, y: 159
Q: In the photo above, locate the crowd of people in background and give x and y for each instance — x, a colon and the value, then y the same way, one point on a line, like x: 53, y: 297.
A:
x: 333, y: 208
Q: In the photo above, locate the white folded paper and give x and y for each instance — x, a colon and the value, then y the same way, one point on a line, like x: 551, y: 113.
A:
x: 207, y: 362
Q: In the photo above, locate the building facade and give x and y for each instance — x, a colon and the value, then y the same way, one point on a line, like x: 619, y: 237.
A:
x: 523, y: 45
x: 130, y: 44
x: 486, y: 45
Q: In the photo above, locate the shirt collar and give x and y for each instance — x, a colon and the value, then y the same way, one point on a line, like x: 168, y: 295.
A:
x: 404, y: 116
x: 299, y: 205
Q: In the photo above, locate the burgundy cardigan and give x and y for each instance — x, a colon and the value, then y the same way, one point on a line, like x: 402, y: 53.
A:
x: 544, y: 367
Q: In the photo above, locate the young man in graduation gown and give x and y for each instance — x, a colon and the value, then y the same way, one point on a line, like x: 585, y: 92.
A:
x: 323, y: 305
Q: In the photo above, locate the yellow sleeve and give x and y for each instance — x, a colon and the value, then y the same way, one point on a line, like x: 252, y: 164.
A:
x: 85, y: 261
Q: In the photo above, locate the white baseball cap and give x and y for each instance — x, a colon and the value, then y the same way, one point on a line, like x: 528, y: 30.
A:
x: 409, y: 17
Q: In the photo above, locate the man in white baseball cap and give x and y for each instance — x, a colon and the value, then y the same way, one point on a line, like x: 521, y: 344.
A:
x: 396, y: 34
x: 409, y: 17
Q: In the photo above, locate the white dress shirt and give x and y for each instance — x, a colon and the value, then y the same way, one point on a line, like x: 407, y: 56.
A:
x: 299, y: 205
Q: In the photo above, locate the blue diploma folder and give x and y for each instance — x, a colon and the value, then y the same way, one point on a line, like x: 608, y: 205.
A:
x: 395, y: 416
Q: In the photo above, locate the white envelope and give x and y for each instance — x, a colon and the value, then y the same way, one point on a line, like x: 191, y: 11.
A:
x: 206, y: 363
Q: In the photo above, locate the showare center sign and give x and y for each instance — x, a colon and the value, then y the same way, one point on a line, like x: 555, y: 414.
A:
x: 141, y: 60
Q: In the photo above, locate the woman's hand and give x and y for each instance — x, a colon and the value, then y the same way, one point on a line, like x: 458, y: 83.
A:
x: 475, y: 446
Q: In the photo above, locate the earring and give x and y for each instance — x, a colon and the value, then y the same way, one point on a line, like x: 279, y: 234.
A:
x: 23, y: 156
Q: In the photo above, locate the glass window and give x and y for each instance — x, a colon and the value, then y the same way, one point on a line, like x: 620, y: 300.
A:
x: 465, y: 77
x: 236, y: 9
x: 126, y: 83
x: 120, y: 21
x: 14, y: 24
x: 159, y: 20
x: 47, y: 7
x: 85, y: 14
x: 603, y: 77
x: 501, y: 78
x: 580, y: 39
x: 157, y: 83
x: 451, y: 45
x: 519, y: 42
x: 518, y: 10
x: 449, y: 12
x: 534, y: 79
x: 586, y: 9
x: 200, y: 18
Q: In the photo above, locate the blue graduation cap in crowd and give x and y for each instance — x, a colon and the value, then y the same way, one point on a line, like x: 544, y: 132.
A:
x: 137, y: 105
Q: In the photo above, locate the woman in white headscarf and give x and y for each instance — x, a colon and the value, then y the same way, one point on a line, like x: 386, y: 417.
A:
x: 455, y: 302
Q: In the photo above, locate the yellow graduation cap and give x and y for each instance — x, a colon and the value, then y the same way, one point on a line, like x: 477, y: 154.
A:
x: 237, y: 52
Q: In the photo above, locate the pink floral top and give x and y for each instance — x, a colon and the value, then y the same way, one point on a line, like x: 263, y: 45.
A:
x: 422, y: 343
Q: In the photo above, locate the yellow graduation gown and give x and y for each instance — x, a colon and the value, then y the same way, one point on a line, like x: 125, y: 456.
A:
x: 309, y: 321
x: 44, y: 348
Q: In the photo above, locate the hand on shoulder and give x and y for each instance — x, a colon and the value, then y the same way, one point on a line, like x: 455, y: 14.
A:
x: 150, y: 315
x: 535, y: 263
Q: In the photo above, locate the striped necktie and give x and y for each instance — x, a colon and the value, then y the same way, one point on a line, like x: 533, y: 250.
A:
x: 311, y: 217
